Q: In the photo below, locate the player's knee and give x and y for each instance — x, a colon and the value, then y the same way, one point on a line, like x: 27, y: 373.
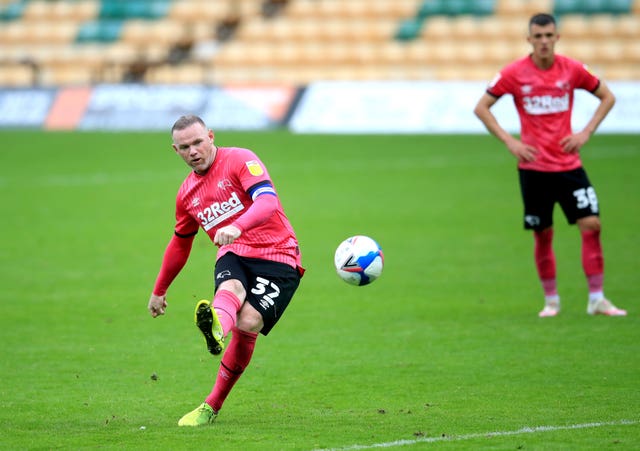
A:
x: 590, y: 223
x: 235, y: 287
x: 249, y: 319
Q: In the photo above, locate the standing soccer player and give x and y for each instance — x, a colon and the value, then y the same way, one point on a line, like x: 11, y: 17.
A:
x: 258, y: 268
x: 542, y: 85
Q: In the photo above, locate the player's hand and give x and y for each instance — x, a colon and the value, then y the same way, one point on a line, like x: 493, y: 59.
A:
x: 523, y: 152
x: 226, y: 235
x: 573, y: 143
x: 157, y: 305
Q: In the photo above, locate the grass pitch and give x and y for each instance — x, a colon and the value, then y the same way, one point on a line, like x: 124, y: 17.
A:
x: 445, y: 349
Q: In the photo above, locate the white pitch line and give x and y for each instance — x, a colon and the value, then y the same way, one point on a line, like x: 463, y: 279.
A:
x: 451, y: 438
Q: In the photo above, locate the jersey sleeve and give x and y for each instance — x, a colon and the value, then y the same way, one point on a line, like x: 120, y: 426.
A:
x: 255, y: 181
x: 185, y: 224
x: 251, y: 171
x: 175, y: 257
x: 262, y: 208
x: 500, y: 85
x: 585, y: 79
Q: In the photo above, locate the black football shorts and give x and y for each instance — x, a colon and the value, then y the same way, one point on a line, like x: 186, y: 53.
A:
x: 542, y: 190
x: 269, y: 285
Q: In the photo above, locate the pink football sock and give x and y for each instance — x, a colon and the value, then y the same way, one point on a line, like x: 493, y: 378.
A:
x: 545, y: 261
x: 235, y: 359
x: 226, y: 305
x: 593, y: 262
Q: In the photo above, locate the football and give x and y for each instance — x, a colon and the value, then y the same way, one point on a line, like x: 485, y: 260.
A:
x: 359, y: 260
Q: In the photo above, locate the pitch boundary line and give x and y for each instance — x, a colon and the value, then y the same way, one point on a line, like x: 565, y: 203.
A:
x: 453, y: 438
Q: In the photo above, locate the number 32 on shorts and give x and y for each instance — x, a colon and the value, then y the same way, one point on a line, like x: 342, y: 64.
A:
x: 268, y: 290
x: 586, y: 197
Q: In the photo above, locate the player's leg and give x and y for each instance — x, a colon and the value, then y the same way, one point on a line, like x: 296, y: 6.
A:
x: 231, y: 280
x: 538, y: 200
x: 545, y: 262
x: 271, y: 288
x: 227, y: 303
x: 234, y: 360
x: 215, y: 324
x: 237, y: 356
x: 580, y: 205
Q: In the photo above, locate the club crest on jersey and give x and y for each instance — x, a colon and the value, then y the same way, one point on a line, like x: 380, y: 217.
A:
x: 224, y: 184
x: 254, y: 168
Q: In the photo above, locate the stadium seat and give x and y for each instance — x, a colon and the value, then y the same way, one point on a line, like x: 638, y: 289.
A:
x: 308, y: 39
x: 190, y: 11
x: 456, y: 7
x: 499, y: 27
x: 144, y: 32
x: 132, y: 9
x: 11, y: 11
x: 631, y: 53
x: 608, y: 6
x: 628, y: 26
x: 521, y: 9
x: 168, y: 74
x: 465, y: 28
x: 574, y: 26
x: 618, y: 71
x: 13, y: 33
x: 582, y: 50
x: 17, y: 75
x: 409, y: 29
x: 436, y: 28
x: 100, y: 31
x: 53, y: 11
x: 606, y: 52
x: 562, y: 7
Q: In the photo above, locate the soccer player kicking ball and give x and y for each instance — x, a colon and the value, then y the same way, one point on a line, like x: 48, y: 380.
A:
x: 542, y: 85
x: 231, y: 197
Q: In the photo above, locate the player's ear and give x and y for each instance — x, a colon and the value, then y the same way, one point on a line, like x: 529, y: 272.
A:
x: 211, y: 136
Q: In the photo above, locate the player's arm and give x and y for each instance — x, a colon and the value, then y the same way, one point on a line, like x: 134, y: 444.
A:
x: 574, y: 142
x: 175, y: 257
x: 265, y: 203
x: 521, y: 151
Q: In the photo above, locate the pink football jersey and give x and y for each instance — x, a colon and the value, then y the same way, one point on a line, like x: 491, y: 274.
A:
x: 544, y: 101
x: 219, y: 197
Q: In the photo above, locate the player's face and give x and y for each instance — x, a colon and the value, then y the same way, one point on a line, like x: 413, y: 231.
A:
x: 195, y: 145
x: 543, y: 40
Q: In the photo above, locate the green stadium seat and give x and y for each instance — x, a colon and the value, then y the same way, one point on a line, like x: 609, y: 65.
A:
x: 589, y: 7
x: 483, y: 7
x: 456, y: 8
x: 12, y: 11
x: 409, y: 29
x: 617, y: 6
x: 431, y: 8
x: 561, y: 7
x: 105, y: 30
x: 134, y: 9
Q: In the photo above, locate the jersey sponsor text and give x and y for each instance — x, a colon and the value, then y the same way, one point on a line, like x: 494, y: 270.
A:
x: 219, y: 211
x: 547, y: 104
